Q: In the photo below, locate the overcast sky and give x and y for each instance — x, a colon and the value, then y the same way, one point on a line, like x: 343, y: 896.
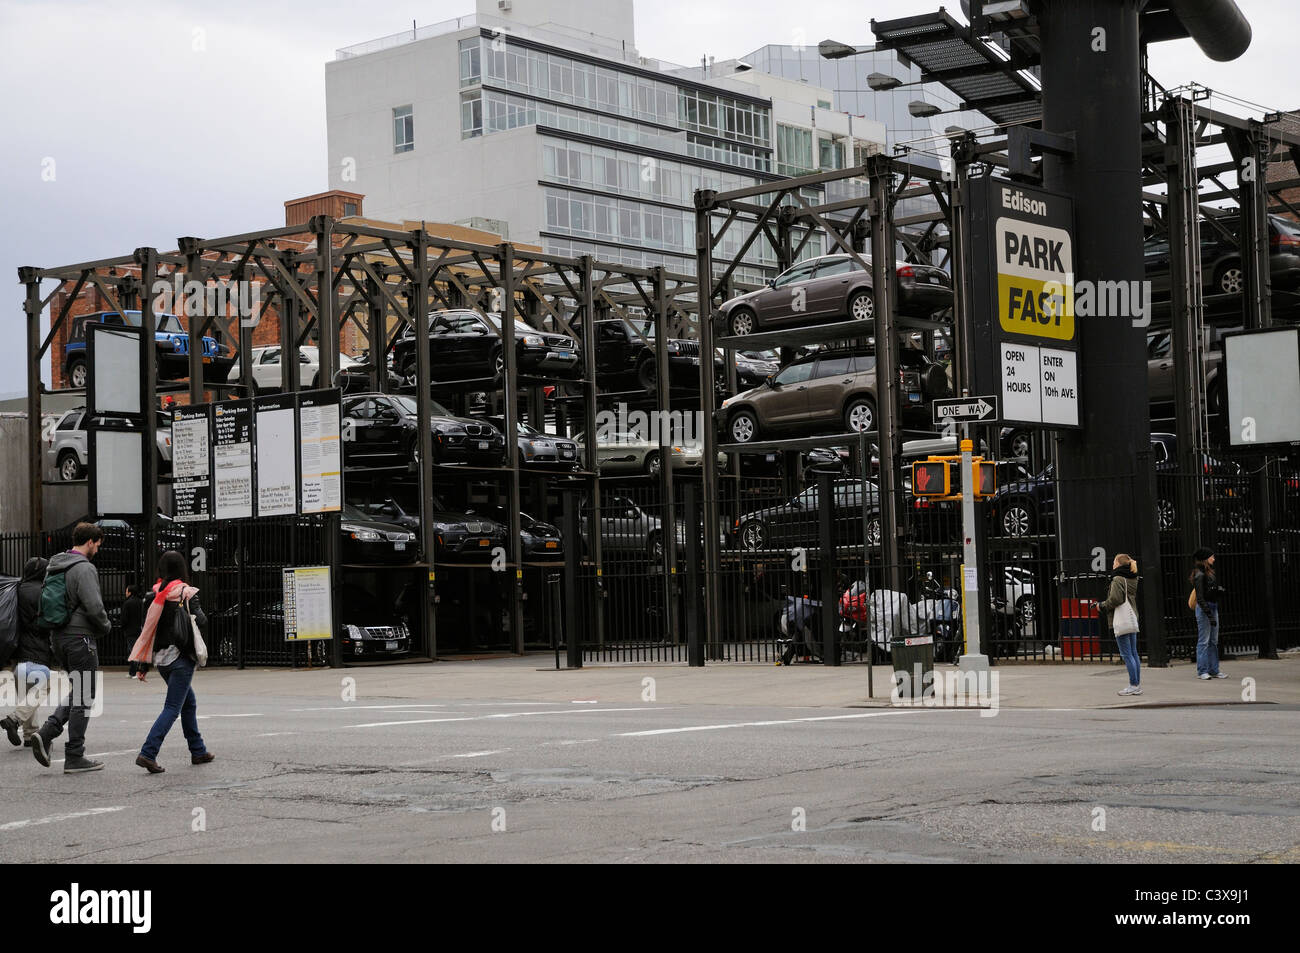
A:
x: 152, y: 139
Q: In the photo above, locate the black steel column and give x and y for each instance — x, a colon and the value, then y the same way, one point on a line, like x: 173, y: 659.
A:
x: 883, y: 283
x: 826, y: 618
x: 667, y: 440
x: 193, y: 284
x: 694, y: 644
x: 573, y: 627
x: 704, y: 283
x: 147, y: 260
x: 35, y: 456
x: 419, y: 318
x: 1095, y: 93
x: 510, y: 408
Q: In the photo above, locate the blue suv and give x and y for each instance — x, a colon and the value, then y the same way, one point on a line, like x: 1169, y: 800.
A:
x: 170, y: 337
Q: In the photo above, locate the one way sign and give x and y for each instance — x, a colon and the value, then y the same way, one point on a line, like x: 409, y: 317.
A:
x: 966, y: 410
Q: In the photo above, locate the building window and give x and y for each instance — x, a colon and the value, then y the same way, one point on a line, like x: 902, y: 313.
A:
x: 471, y: 115
x: 349, y: 208
x: 470, y: 65
x: 403, y: 129
x: 823, y: 104
x: 793, y: 150
x: 830, y: 153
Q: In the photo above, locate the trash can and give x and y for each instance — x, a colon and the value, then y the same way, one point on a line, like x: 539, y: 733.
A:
x: 1081, y: 627
x: 914, y: 655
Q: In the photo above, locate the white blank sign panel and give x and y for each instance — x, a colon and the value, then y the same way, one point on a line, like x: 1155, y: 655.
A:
x: 119, y: 465
x: 116, y: 374
x: 1263, y: 387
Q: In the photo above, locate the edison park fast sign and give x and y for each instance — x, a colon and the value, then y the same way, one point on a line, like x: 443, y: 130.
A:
x: 1022, y: 256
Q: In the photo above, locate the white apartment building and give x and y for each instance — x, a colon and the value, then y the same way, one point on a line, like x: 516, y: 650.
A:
x: 539, y: 119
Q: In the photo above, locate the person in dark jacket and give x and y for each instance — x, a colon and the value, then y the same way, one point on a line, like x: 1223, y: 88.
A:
x: 32, y: 655
x: 75, y: 645
x: 1124, y: 589
x: 174, y: 654
x: 133, y: 607
x: 1207, y: 614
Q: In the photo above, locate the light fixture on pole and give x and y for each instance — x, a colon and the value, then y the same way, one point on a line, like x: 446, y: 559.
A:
x: 923, y: 110
x: 835, y: 50
x: 880, y: 82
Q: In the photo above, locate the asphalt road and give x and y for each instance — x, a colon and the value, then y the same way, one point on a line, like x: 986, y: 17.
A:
x: 395, y: 780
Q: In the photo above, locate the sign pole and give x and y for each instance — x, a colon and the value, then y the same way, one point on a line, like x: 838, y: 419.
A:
x: 974, y: 660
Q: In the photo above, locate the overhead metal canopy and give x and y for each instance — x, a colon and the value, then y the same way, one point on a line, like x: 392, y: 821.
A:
x: 982, y: 74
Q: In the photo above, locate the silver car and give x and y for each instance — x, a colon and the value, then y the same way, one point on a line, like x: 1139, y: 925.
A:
x: 67, y: 451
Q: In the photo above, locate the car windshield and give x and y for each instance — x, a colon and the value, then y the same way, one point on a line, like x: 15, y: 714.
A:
x: 350, y: 512
x: 407, y: 406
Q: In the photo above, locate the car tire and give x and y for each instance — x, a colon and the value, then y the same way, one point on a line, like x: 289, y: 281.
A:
x: 1020, y: 444
x: 497, y: 361
x: 1229, y: 279
x: 653, y: 463
x: 936, y: 383
x: 874, y: 537
x: 647, y: 376
x: 860, y: 415
x: 752, y: 536
x: 861, y: 306
x: 742, y: 321
x: 1166, y: 514
x: 69, y: 466
x: 77, y: 374
x: 654, y: 550
x: 1016, y: 518
x: 1026, y: 612
x: 743, y: 426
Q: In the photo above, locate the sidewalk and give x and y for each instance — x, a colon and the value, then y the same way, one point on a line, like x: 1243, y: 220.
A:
x: 534, y: 678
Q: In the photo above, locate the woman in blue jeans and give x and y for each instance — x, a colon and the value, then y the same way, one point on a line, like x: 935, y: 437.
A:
x: 1124, y: 589
x: 1207, y: 615
x: 173, y: 653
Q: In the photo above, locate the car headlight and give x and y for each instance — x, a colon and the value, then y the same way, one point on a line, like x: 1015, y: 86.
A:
x: 361, y: 533
x: 674, y: 347
x: 533, y: 340
x: 353, y: 631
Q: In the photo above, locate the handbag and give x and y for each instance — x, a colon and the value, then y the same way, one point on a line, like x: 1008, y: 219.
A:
x: 1125, y: 621
x: 200, y: 647
x: 1191, y: 599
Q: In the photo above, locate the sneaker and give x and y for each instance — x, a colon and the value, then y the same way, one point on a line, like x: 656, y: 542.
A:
x: 204, y: 758
x: 1204, y: 676
x: 1135, y: 690
x: 1220, y: 675
x: 81, y: 765
x: 41, y: 749
x: 11, y: 729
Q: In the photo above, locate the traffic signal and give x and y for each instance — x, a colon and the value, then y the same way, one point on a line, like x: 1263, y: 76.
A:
x: 985, y: 473
x: 931, y: 478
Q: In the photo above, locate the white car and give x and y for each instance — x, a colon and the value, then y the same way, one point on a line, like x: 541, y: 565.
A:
x: 1018, y: 597
x: 66, y: 449
x: 266, y: 367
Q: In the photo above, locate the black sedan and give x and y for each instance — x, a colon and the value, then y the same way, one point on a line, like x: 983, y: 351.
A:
x: 537, y: 540
x: 542, y: 450
x: 371, y: 542
x: 797, y: 523
x: 369, y: 628
x: 464, y: 345
x: 379, y: 430
x: 457, y: 535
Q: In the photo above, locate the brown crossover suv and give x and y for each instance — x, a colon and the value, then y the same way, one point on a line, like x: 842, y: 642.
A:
x: 829, y: 391
x: 830, y: 287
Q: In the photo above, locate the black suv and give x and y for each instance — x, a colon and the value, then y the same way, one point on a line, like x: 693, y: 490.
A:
x: 464, y: 345
x: 379, y: 430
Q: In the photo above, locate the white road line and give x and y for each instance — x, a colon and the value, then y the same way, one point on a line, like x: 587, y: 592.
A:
x: 99, y: 754
x: 579, y: 741
x: 750, y: 724
x: 503, y: 714
x: 361, y: 707
x: 244, y: 714
x: 91, y: 812
x: 275, y: 734
x: 479, y: 754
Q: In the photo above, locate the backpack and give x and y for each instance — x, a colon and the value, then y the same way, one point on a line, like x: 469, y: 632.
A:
x: 9, y: 625
x: 54, y: 601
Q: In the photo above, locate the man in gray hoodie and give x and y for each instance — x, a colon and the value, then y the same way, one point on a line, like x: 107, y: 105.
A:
x: 76, y: 649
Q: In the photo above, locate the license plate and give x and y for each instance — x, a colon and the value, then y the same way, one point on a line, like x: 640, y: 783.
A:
x: 567, y: 453
x: 390, y: 646
x: 565, y: 354
x: 933, y: 281
x: 482, y: 444
x: 207, y: 360
x: 399, y: 546
x: 914, y: 397
x: 552, y: 545
x: 483, y: 542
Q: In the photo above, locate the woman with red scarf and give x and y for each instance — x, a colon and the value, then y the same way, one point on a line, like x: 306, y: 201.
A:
x: 164, y: 642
